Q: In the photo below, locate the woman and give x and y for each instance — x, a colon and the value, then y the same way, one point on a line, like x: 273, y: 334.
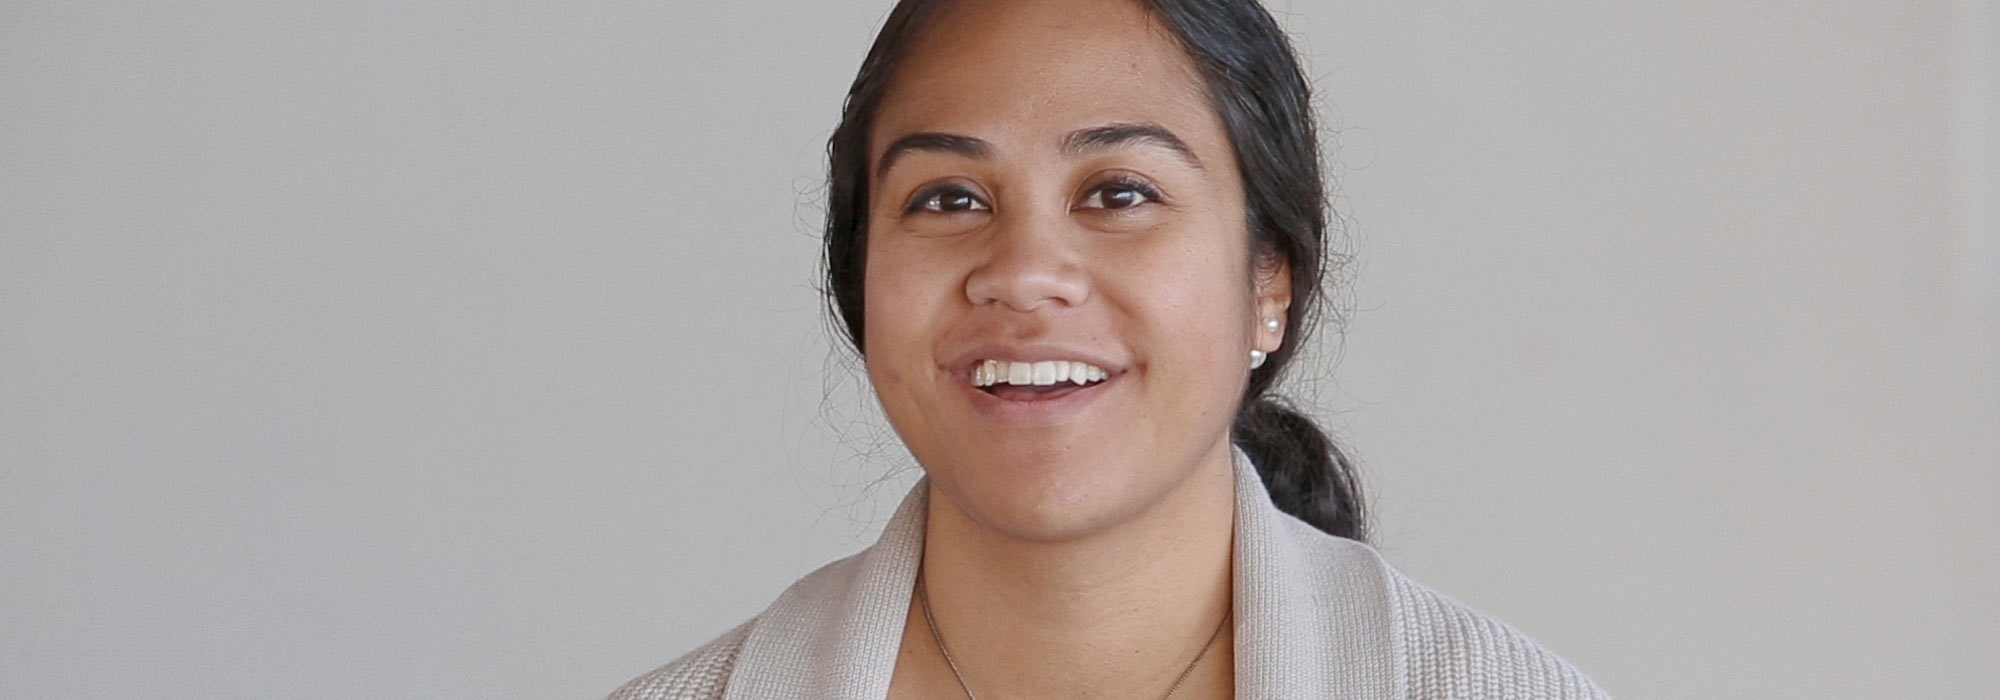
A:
x: 1076, y: 242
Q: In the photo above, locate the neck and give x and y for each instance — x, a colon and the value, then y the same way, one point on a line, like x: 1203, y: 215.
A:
x: 1120, y: 612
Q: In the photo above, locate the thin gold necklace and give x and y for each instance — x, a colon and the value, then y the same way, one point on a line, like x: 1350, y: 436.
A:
x: 924, y: 598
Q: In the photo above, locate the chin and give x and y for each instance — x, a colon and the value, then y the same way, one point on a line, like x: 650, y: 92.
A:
x: 1047, y: 497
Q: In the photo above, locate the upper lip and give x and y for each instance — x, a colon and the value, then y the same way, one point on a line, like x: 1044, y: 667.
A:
x: 1032, y: 352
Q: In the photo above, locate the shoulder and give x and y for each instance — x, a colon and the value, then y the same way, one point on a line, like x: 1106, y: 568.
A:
x: 1450, y: 650
x: 701, y: 674
x: 1442, y: 647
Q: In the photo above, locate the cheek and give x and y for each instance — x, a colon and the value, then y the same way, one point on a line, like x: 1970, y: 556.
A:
x: 1192, y: 298
x: 902, y: 297
x: 1195, y: 306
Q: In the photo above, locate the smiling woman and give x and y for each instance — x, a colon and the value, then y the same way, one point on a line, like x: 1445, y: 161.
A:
x: 1076, y: 243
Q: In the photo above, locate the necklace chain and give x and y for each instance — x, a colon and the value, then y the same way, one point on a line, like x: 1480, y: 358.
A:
x: 924, y: 598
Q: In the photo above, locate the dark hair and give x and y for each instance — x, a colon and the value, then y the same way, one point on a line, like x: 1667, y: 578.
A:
x: 1257, y: 88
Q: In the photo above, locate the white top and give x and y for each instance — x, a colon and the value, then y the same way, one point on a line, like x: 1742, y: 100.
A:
x: 1317, y: 616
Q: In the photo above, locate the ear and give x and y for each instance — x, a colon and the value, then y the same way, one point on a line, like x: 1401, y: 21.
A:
x: 1273, y: 286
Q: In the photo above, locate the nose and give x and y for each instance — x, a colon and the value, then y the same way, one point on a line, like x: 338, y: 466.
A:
x: 1031, y: 262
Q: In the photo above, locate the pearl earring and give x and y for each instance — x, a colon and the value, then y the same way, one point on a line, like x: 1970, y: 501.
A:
x: 1271, y: 324
x: 1257, y: 358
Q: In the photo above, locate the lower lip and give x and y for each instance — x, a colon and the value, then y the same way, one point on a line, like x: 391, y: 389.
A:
x: 1038, y: 411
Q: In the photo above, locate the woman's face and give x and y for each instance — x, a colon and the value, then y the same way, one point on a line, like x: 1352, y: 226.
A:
x: 1052, y: 194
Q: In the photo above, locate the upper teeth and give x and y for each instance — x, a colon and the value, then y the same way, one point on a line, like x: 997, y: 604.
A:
x: 1045, y: 373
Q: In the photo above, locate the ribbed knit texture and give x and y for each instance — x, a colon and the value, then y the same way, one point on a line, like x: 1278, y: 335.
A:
x: 699, y: 674
x: 1448, y: 650
x: 1316, y: 616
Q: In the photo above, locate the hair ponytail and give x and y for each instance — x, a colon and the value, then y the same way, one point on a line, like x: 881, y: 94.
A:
x: 1307, y: 474
x: 1258, y: 89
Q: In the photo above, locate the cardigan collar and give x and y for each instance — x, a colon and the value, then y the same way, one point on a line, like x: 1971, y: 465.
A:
x: 1312, y: 612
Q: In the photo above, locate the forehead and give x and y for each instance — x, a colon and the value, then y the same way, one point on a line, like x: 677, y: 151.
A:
x: 1022, y: 73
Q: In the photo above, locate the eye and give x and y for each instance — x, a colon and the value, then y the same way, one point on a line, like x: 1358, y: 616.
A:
x: 1120, y: 193
x: 948, y: 199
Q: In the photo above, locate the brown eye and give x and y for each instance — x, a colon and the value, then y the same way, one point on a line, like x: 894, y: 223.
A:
x: 1120, y: 194
x: 950, y: 199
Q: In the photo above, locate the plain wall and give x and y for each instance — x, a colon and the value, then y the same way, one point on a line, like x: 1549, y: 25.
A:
x: 424, y: 350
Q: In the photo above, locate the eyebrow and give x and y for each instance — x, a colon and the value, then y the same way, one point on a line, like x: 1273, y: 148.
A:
x: 934, y: 142
x: 1098, y: 138
x: 1079, y: 142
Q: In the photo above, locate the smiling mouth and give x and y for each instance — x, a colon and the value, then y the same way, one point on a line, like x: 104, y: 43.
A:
x: 1035, y: 381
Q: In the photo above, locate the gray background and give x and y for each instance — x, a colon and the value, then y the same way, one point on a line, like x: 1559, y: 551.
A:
x: 421, y: 350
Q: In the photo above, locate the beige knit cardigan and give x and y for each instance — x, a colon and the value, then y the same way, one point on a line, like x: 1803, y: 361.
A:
x: 1317, y: 616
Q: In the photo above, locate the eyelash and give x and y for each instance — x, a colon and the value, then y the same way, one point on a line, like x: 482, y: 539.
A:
x: 1122, y: 183
x: 922, y: 202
